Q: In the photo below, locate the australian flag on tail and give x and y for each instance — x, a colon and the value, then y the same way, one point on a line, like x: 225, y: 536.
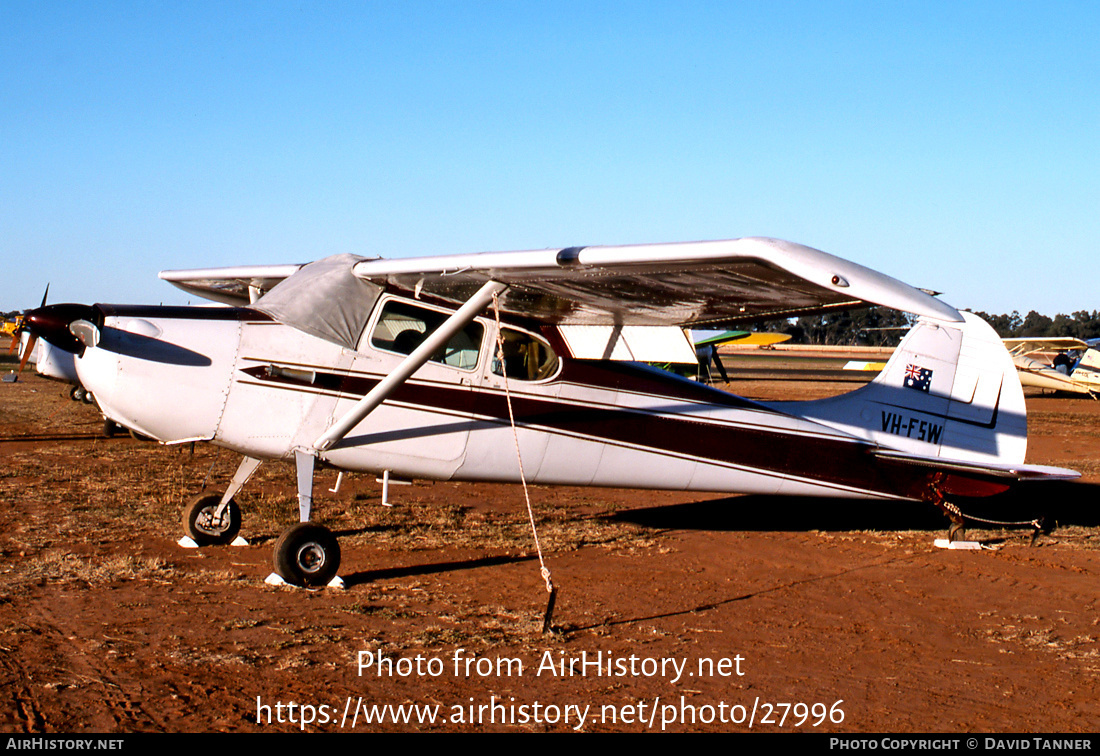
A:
x: 918, y: 378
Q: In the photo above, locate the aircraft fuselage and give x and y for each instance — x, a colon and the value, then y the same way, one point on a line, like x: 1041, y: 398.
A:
x: 240, y: 380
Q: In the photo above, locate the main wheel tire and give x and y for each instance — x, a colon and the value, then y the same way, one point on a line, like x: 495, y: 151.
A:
x: 307, y: 555
x: 110, y: 428
x: 200, y: 525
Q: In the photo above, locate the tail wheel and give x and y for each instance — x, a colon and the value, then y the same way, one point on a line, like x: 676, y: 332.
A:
x: 307, y: 555
x: 200, y: 523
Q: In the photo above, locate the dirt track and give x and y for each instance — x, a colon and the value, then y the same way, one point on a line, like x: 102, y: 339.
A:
x: 107, y: 625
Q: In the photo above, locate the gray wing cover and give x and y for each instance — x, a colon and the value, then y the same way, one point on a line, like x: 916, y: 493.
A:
x: 324, y: 299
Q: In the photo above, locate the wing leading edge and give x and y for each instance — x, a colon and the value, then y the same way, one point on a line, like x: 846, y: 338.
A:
x: 690, y: 284
x: 234, y: 286
x: 686, y: 284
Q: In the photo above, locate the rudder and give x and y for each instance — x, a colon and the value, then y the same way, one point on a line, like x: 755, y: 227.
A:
x: 950, y: 390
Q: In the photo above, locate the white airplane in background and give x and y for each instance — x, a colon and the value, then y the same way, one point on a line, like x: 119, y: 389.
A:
x: 402, y: 365
x: 51, y: 362
x: 48, y: 360
x: 1050, y: 362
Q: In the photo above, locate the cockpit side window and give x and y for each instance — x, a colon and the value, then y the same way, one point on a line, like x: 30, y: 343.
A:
x: 402, y: 327
x: 526, y: 357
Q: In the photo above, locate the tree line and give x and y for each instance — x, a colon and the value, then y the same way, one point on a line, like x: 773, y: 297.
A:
x: 878, y: 326
x: 1081, y: 325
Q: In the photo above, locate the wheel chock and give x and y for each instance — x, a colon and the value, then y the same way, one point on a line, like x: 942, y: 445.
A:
x: 945, y: 543
x: 276, y: 579
x: 187, y: 542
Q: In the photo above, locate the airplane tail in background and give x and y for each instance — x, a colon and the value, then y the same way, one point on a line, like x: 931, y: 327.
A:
x: 949, y: 391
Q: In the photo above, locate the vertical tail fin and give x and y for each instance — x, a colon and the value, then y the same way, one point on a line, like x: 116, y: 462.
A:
x: 950, y: 390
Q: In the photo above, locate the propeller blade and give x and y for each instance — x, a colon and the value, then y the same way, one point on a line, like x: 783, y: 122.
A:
x: 45, y: 294
x: 27, y: 354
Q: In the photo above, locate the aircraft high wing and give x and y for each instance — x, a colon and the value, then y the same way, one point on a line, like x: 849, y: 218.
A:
x: 445, y: 367
x: 1058, y: 363
x: 695, y: 284
x: 761, y: 339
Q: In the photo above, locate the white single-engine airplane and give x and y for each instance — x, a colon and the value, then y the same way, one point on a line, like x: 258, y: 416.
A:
x: 413, y: 366
x: 1051, y: 362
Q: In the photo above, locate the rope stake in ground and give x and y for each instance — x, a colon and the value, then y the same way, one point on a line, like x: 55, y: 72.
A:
x: 543, y: 569
x: 959, y: 518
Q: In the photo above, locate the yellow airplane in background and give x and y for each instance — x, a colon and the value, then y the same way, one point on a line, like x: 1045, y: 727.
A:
x: 1058, y: 363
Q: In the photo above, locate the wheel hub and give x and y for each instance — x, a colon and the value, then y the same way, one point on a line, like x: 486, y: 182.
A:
x: 311, y: 557
x: 209, y: 523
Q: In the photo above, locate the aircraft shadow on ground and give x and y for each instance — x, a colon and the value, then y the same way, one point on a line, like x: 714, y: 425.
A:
x: 367, y: 576
x: 1058, y: 503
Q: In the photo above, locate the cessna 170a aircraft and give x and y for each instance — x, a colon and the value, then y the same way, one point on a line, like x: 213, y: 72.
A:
x: 415, y: 366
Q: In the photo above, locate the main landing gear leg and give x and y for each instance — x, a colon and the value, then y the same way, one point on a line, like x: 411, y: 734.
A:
x: 306, y: 554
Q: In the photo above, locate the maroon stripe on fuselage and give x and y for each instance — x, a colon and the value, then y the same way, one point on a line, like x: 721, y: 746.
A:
x: 830, y: 461
x: 637, y: 379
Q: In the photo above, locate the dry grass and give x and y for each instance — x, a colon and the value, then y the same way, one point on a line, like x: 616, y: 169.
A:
x: 63, y: 567
x: 1032, y: 634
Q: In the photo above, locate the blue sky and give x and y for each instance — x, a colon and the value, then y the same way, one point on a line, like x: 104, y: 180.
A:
x: 951, y: 145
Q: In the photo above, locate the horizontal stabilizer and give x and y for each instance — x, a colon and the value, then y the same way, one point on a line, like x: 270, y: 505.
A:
x: 1016, y: 472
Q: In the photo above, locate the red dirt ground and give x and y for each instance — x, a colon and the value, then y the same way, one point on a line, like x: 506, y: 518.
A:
x: 799, y: 615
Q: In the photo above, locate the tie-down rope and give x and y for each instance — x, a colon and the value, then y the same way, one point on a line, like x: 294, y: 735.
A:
x: 543, y: 569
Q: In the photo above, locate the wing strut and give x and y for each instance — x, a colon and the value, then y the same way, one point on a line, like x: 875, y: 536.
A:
x: 309, y: 551
x: 436, y: 341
